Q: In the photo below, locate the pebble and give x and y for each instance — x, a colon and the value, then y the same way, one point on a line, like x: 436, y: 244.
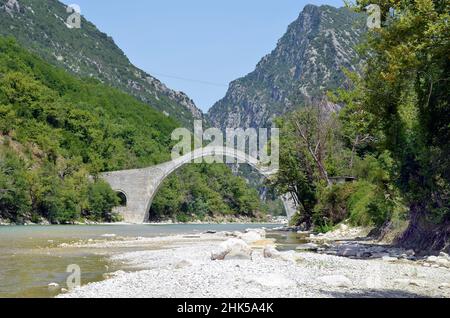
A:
x: 389, y: 259
x: 336, y: 281
x: 262, y: 276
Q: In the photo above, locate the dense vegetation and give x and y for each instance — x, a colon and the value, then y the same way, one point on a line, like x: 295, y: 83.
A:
x: 392, y: 134
x: 57, y: 130
x: 206, y: 192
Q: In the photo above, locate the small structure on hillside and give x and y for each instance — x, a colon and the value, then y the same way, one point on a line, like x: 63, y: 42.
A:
x: 343, y: 179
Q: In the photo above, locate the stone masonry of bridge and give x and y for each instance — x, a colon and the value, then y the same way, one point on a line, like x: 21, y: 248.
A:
x: 141, y: 185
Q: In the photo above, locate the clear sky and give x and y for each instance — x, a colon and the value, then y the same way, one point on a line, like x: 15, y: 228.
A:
x: 195, y: 46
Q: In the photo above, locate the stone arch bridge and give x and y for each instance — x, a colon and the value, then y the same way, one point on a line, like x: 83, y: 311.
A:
x: 139, y: 186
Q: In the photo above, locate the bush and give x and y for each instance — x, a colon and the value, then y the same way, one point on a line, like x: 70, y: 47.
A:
x: 360, y: 204
x: 101, y: 200
x: 15, y: 200
x: 332, y: 206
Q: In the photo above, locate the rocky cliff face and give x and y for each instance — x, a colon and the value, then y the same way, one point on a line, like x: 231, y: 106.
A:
x: 42, y: 27
x: 306, y: 63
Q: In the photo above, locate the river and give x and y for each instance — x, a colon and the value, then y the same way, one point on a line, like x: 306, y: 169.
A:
x: 30, y: 259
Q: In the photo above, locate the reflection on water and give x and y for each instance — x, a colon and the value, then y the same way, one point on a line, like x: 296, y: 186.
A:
x: 287, y: 241
x: 30, y: 259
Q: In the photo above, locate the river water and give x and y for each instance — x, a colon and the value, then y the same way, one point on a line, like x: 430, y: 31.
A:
x: 29, y: 259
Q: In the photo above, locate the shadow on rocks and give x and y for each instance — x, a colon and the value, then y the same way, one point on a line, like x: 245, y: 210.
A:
x: 373, y: 293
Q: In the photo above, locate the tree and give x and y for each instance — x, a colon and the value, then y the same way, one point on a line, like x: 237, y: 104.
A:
x: 315, y: 127
x: 358, y: 127
x: 307, y: 140
x: 407, y: 93
x: 15, y: 202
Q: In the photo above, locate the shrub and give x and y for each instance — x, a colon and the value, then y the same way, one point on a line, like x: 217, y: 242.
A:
x: 332, y: 206
x: 101, y: 200
x: 15, y: 201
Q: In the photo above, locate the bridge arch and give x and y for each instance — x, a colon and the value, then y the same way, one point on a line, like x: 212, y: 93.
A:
x: 140, y: 186
x: 123, y: 200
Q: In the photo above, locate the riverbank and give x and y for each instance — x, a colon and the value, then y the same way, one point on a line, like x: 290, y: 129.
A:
x: 182, y: 266
x: 274, y: 220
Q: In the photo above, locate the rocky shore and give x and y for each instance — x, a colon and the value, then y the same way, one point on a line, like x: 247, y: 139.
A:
x: 248, y: 264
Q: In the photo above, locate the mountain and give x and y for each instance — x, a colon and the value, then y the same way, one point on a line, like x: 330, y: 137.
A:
x: 56, y: 130
x: 307, y: 62
x: 42, y: 27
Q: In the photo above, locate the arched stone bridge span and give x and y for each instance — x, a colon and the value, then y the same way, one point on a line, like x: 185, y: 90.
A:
x: 141, y: 185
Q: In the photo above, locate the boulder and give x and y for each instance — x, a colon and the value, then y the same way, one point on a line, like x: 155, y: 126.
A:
x: 251, y: 236
x: 271, y: 252
x: 232, y: 249
x: 261, y: 232
x: 53, y: 287
x: 389, y: 259
x: 349, y: 251
x: 336, y: 281
x: 443, y: 262
x: 444, y: 255
x: 410, y: 252
x: 308, y: 247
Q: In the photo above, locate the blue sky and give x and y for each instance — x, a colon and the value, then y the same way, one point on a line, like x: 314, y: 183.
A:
x: 195, y: 46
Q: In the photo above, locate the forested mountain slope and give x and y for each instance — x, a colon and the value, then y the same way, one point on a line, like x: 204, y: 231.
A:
x: 41, y: 26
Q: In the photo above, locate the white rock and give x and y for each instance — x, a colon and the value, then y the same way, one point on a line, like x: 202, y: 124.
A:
x: 183, y: 264
x: 410, y: 253
x: 53, y: 286
x: 308, y: 247
x: 251, y: 236
x: 271, y: 252
x: 432, y: 259
x: 444, y: 255
x: 291, y: 256
x: 407, y: 282
x: 336, y: 281
x: 389, y: 259
x: 443, y: 262
x: 232, y: 249
x: 109, y: 235
x: 261, y: 232
x: 272, y: 280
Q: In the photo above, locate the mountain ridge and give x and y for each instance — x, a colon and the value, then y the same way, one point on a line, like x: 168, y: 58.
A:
x: 306, y: 62
x: 88, y: 52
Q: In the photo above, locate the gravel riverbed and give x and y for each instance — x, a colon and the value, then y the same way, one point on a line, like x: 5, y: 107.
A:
x: 183, y: 268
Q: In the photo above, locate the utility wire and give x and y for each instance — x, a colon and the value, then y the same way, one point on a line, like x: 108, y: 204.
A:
x: 189, y: 79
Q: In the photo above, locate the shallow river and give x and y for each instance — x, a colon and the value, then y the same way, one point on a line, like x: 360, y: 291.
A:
x: 29, y: 260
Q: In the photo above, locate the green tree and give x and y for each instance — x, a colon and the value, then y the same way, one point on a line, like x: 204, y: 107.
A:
x: 15, y: 201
